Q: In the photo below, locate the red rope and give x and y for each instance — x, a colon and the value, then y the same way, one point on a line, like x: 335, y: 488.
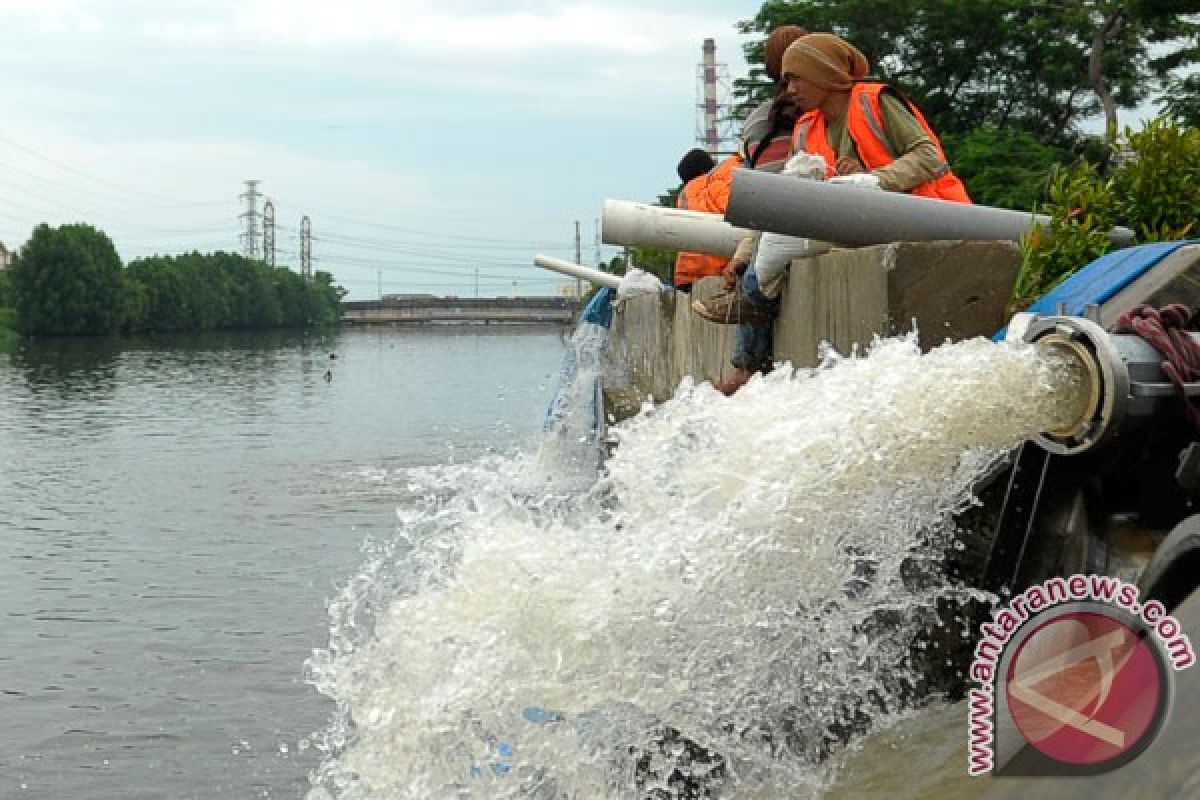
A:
x: 1165, y: 330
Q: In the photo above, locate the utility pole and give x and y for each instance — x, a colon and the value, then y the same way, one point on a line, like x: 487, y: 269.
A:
x: 477, y: 283
x: 596, y: 263
x: 306, y: 249
x: 250, y: 216
x: 578, y: 260
x: 269, y: 233
x: 380, y: 276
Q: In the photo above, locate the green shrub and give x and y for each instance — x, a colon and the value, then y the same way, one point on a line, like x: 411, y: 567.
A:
x: 1159, y: 190
x: 1156, y: 192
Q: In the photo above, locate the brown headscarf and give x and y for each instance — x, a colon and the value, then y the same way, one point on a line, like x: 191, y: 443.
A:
x: 825, y: 60
x: 777, y: 42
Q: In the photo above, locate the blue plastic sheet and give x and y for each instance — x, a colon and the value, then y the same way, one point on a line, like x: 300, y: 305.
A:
x: 1102, y: 279
x: 599, y: 311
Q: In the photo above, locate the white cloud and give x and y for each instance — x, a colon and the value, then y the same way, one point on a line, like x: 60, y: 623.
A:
x: 503, y: 120
x: 413, y: 28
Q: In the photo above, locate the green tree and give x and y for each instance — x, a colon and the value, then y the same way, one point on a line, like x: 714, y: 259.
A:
x: 1039, y: 66
x: 6, y: 292
x: 1182, y: 100
x: 325, y: 299
x: 7, y: 315
x: 69, y: 281
x: 195, y: 292
x: 1155, y: 192
x: 1003, y: 168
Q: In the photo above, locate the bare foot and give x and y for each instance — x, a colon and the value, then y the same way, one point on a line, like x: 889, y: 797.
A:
x: 735, y: 381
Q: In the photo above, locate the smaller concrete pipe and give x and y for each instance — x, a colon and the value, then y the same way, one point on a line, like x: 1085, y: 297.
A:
x: 854, y: 216
x: 637, y: 224
x: 588, y: 274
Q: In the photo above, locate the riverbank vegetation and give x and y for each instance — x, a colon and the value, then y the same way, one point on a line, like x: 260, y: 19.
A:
x: 8, y: 315
x: 1153, y: 189
x: 1016, y: 102
x: 71, y: 281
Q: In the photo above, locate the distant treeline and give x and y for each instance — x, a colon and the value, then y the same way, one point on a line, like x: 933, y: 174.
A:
x: 70, y: 281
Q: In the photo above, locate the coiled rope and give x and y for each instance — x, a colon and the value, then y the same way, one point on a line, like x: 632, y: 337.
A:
x: 1165, y: 330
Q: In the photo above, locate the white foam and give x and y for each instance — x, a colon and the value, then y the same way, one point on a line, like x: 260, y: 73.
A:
x: 735, y: 574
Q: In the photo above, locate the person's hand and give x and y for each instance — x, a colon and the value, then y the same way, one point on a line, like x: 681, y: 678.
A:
x: 739, y: 261
x: 849, y: 165
x: 731, y: 273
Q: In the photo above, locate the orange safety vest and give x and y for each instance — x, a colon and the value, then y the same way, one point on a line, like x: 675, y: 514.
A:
x: 864, y: 122
x: 708, y: 193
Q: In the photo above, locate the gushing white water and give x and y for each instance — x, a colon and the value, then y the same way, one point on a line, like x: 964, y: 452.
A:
x: 747, y: 574
x: 573, y: 446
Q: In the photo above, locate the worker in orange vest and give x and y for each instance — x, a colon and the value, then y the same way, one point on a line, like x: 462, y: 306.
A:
x: 861, y: 125
x: 857, y: 126
x: 706, y: 189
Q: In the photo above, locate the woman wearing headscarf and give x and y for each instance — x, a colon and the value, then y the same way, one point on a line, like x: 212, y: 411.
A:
x: 856, y: 126
x: 859, y: 125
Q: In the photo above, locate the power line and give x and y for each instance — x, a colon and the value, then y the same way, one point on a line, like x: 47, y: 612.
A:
x: 80, y: 173
x: 455, y: 256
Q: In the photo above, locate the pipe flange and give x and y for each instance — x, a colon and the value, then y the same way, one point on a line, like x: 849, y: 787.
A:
x: 1092, y: 382
x: 1105, y: 371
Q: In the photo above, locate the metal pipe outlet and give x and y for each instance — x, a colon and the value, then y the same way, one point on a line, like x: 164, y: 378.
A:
x: 854, y: 216
x: 640, y: 225
x: 1122, y: 379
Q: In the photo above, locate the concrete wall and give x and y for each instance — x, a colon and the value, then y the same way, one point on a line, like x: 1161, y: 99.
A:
x: 954, y: 290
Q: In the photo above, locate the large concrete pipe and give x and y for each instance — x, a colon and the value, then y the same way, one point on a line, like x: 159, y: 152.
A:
x: 640, y: 225
x: 588, y: 274
x: 854, y: 216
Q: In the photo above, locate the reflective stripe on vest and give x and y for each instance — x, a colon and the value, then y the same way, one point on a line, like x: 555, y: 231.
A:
x: 875, y: 123
x: 864, y: 123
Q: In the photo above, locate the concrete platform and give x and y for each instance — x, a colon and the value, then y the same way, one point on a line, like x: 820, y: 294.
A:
x: 953, y: 290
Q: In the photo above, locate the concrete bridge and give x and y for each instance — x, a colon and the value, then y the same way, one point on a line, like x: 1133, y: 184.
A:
x: 392, y: 310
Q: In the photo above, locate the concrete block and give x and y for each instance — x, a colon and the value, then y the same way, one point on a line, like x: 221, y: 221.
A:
x: 846, y: 297
x: 951, y: 290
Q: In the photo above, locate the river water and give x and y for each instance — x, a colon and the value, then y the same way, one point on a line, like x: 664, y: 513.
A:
x: 176, y: 513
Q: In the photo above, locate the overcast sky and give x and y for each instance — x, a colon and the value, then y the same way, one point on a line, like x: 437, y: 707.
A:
x: 423, y: 139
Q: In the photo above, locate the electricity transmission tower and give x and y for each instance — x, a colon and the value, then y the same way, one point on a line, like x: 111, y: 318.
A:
x: 269, y: 233
x: 306, y: 249
x: 250, y: 218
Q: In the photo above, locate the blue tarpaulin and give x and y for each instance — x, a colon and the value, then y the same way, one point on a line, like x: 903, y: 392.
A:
x: 599, y: 311
x: 1102, y: 279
